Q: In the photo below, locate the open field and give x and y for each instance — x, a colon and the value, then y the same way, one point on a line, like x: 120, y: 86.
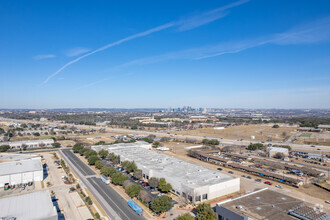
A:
x: 314, y: 139
x: 260, y: 132
x: 32, y: 137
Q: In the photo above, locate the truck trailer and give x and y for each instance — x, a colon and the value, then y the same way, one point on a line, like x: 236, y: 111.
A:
x: 138, y: 209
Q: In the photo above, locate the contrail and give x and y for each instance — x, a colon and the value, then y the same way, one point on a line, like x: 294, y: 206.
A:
x: 141, y: 34
x: 183, y: 25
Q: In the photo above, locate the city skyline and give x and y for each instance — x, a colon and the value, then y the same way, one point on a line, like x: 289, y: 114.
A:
x: 226, y: 54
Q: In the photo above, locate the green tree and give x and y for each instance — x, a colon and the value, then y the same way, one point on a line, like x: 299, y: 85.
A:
x: 89, y: 200
x: 255, y: 146
x: 133, y: 190
x: 186, y: 216
x: 205, y: 212
x: 118, y: 178
x: 108, y: 171
x: 163, y: 186
x: 56, y: 145
x: 82, y: 151
x: 77, y: 147
x: 147, y: 139
x: 275, y: 126
x: 97, y: 215
x: 210, y: 142
x: 89, y: 153
x: 155, y: 144
x: 129, y: 166
x: 166, y: 188
x: 4, y: 148
x: 92, y: 159
x: 100, y: 143
x: 161, y: 204
x: 98, y: 164
x: 103, y: 153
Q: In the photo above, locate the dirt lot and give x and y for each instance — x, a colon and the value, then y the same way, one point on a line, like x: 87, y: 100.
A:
x: 261, y: 132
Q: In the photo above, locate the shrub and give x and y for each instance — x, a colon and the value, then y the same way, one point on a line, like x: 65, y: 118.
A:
x: 89, y: 200
x: 186, y: 216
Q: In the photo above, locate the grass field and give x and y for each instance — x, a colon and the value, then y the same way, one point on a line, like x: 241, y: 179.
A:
x: 260, y: 132
x: 305, y: 135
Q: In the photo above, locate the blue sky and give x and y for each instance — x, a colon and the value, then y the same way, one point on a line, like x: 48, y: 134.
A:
x: 116, y: 54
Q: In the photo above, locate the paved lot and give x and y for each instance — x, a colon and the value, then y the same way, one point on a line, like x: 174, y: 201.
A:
x: 65, y: 201
x: 114, y: 205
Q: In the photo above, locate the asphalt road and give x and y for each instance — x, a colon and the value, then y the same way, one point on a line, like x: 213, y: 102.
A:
x: 112, y: 198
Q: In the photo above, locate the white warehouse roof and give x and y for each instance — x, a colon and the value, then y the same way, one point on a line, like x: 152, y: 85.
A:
x: 177, y: 172
x: 28, y: 142
x: 278, y: 149
x: 36, y: 205
x: 22, y: 166
x: 13, y: 156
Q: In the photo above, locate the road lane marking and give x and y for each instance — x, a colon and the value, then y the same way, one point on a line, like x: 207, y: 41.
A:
x: 109, y: 198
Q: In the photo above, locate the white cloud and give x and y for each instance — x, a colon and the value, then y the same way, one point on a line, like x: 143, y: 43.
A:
x: 44, y: 56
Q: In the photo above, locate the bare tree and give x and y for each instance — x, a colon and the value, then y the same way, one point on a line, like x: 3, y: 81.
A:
x: 143, y: 195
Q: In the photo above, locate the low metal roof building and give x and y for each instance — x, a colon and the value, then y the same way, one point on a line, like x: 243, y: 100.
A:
x: 29, y: 143
x: 266, y: 204
x: 23, y: 171
x: 36, y: 205
x: 191, y: 181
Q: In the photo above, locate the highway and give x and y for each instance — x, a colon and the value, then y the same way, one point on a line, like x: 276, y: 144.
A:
x: 113, y: 204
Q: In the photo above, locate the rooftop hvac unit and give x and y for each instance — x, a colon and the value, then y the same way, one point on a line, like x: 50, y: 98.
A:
x: 239, y: 207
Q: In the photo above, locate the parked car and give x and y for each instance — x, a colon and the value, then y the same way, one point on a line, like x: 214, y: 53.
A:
x: 268, y: 183
x: 243, y: 175
x: 231, y: 172
x: 249, y: 177
x: 219, y: 168
x: 327, y: 201
x: 279, y: 186
x: 258, y: 180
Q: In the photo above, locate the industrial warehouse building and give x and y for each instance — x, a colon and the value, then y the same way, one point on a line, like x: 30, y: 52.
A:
x: 36, y: 205
x: 190, y: 181
x: 16, y: 145
x: 22, y: 171
x: 274, y: 150
x: 267, y: 204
